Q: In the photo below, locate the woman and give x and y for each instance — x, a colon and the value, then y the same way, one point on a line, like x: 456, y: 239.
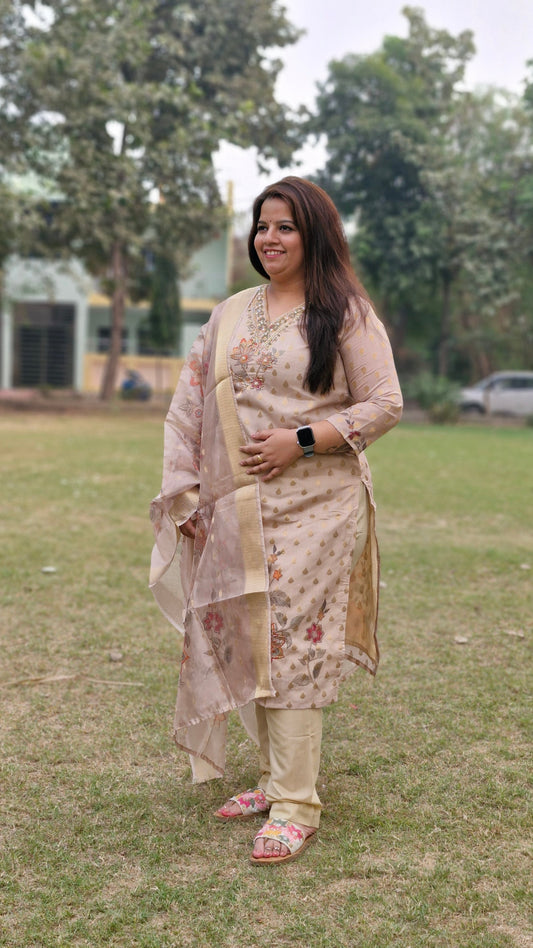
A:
x: 276, y: 579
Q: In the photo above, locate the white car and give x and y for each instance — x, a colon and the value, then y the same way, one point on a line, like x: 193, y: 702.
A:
x: 503, y: 393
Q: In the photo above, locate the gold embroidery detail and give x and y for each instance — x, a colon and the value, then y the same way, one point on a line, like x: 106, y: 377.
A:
x: 263, y: 331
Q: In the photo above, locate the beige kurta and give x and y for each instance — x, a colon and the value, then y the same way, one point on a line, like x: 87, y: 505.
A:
x: 273, y: 606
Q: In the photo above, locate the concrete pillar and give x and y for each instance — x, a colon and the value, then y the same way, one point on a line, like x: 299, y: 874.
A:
x: 81, y: 320
x: 6, y: 347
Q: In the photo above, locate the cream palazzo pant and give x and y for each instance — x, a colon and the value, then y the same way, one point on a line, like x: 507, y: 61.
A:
x: 290, y: 740
x: 289, y: 743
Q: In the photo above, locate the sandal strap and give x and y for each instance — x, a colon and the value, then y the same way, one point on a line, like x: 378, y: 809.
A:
x: 284, y: 832
x: 251, y: 801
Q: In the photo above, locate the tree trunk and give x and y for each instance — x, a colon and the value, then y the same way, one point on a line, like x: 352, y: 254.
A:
x: 445, y: 320
x: 482, y: 363
x: 118, y: 308
x: 399, y: 329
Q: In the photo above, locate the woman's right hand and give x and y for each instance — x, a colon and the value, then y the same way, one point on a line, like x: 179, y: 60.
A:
x: 188, y: 529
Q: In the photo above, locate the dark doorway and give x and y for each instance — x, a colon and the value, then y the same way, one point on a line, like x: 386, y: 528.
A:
x: 44, y: 345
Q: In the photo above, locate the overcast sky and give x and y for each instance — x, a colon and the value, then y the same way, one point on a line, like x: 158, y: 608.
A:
x: 503, y: 35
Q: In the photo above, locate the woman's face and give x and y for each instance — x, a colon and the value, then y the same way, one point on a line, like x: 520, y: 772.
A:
x: 278, y: 243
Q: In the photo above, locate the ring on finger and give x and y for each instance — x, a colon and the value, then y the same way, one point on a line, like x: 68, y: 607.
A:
x: 259, y: 458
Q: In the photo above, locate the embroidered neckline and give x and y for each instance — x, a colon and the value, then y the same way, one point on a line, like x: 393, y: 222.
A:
x: 258, y: 312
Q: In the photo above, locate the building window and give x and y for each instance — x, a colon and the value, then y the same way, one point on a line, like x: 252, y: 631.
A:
x: 43, y: 344
x: 103, y: 339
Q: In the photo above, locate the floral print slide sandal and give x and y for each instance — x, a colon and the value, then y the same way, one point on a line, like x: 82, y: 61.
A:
x: 250, y: 802
x: 289, y: 834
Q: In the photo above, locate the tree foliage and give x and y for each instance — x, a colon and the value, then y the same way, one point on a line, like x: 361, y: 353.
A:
x: 429, y: 170
x: 473, y: 183
x: 165, y: 302
x: 118, y: 102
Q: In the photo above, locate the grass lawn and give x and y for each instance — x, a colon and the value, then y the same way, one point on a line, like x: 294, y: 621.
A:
x: 426, y: 776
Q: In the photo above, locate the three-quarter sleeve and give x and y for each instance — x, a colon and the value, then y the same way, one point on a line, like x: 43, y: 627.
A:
x: 373, y: 384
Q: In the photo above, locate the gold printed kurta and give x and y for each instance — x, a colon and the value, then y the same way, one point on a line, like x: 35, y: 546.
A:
x: 273, y: 603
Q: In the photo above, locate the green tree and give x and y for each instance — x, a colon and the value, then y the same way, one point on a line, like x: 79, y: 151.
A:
x: 124, y: 100
x: 9, y: 29
x: 439, y: 180
x: 473, y: 178
x: 381, y: 113
x: 524, y: 217
x: 165, y: 302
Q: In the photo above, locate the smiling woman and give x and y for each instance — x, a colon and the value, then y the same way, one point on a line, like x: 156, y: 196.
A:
x: 279, y: 248
x: 266, y: 481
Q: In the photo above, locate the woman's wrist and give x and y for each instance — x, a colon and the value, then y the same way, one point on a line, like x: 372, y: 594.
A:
x: 327, y: 439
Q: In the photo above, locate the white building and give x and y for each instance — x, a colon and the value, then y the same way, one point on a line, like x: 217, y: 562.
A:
x: 55, y: 325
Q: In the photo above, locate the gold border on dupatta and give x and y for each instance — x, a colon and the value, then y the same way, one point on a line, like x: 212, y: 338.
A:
x: 184, y: 505
x: 361, y: 618
x: 247, y: 504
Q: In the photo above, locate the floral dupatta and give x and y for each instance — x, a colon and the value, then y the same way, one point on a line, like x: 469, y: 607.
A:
x: 214, y: 588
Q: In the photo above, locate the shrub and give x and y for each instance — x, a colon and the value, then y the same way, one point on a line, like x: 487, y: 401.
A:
x: 437, y: 395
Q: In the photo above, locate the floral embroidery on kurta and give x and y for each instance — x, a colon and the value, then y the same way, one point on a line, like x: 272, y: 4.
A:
x: 280, y: 638
x: 313, y: 658
x: 249, y: 364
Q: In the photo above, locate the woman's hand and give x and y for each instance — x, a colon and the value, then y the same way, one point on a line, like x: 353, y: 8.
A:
x: 188, y: 529
x: 271, y: 452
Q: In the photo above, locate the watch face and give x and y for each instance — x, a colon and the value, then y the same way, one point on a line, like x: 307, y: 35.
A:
x: 305, y: 437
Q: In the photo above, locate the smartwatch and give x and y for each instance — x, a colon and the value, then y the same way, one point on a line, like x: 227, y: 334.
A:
x: 306, y: 440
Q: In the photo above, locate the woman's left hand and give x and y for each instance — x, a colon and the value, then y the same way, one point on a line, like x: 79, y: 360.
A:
x: 271, y: 452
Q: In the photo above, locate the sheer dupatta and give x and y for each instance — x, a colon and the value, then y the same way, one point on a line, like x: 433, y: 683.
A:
x: 215, y: 588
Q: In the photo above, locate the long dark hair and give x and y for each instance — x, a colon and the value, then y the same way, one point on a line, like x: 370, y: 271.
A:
x: 331, y: 286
